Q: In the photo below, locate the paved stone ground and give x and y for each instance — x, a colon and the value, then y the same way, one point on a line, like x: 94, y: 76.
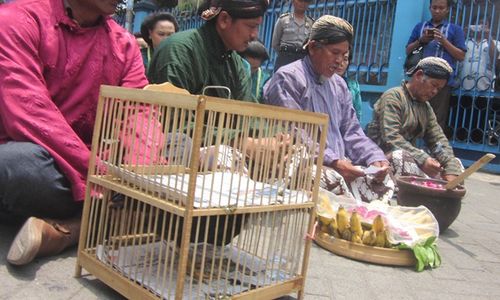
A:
x: 470, y: 251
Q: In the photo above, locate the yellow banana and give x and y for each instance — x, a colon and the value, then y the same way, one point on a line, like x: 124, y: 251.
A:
x: 369, y: 237
x: 378, y: 224
x: 356, y: 239
x: 381, y: 239
x: 346, y: 234
x: 356, y: 225
x: 342, y: 220
x: 366, y: 226
x: 333, y: 228
x: 387, y: 243
x: 324, y: 220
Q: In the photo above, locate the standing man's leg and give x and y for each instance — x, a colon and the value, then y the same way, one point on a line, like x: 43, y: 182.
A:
x: 441, y: 106
x: 284, y: 58
x: 31, y: 186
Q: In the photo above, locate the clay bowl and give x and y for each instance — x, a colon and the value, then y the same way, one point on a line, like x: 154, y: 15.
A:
x: 444, y: 204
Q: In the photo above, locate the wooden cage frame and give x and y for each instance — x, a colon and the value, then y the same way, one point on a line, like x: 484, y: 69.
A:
x: 99, y: 180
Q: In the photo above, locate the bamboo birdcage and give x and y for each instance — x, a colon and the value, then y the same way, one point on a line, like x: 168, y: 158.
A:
x: 199, y: 197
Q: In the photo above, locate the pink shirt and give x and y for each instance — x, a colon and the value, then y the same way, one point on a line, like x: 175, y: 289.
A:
x: 50, y: 73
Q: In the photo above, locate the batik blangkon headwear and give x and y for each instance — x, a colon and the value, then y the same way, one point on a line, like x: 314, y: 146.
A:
x: 331, y: 30
x: 434, y: 67
x: 243, y: 9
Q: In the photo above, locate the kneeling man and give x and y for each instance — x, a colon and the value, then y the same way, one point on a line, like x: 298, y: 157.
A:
x: 311, y: 84
x: 402, y: 115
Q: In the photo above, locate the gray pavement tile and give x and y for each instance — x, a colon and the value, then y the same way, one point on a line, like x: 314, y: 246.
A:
x: 319, y: 286
x: 380, y: 284
x: 469, y: 203
x: 448, y: 272
x: 489, y: 240
x: 470, y: 251
x: 484, y: 276
x: 453, y: 237
x: 461, y: 262
x: 493, y: 270
x: 480, y: 253
x: 389, y: 294
x: 484, y: 227
x: 93, y: 287
x: 349, y: 291
x: 448, y: 295
x: 465, y: 287
x: 493, y: 214
x: 316, y: 297
x: 410, y: 277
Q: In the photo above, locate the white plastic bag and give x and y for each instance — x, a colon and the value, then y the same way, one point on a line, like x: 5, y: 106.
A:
x: 409, y: 225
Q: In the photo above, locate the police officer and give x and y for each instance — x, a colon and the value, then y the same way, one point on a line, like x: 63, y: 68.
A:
x: 290, y: 32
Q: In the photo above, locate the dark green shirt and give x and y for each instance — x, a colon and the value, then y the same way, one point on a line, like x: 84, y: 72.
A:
x: 197, y: 58
x: 399, y: 120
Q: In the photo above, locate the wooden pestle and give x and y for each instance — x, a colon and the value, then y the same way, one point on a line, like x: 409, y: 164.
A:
x: 473, y: 168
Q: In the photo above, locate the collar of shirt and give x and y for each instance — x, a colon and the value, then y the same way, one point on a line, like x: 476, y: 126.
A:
x: 215, y: 45
x: 407, y: 91
x: 429, y: 24
x: 319, y: 79
x: 64, y: 16
x: 302, y: 22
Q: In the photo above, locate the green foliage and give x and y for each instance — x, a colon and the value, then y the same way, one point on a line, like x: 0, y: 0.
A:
x: 426, y: 254
x: 189, y: 4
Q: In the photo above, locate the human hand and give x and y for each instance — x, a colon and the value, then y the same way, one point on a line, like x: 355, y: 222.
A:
x: 432, y: 167
x: 347, y: 170
x: 384, y: 170
x: 439, y: 37
x: 272, y: 145
x: 449, y: 177
x: 427, y: 36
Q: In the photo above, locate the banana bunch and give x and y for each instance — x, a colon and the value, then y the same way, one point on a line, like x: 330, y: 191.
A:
x: 352, y: 229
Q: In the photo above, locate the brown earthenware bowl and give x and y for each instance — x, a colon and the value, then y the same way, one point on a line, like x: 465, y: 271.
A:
x: 444, y: 204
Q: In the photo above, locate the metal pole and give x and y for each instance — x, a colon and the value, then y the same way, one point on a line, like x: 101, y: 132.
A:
x: 129, y: 15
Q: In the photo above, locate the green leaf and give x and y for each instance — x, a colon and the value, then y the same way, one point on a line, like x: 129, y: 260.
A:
x: 437, y: 256
x: 425, y: 259
x: 421, y: 257
x: 403, y: 246
x: 426, y: 253
x: 430, y: 241
x: 430, y: 256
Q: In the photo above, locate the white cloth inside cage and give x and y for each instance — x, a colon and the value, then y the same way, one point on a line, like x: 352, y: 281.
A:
x: 215, y: 189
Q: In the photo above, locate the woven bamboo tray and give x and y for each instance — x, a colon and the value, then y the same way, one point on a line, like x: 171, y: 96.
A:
x: 376, y: 255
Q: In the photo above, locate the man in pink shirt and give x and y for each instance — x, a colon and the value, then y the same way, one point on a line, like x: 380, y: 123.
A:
x: 52, y: 63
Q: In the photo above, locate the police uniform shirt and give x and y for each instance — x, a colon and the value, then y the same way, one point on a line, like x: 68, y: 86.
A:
x: 291, y: 32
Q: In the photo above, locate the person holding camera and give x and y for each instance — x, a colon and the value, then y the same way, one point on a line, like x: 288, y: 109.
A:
x: 440, y: 38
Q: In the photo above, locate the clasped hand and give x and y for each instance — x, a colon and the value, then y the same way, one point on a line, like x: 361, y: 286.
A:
x: 272, y: 145
x: 350, y: 172
x: 432, y: 34
x: 432, y: 167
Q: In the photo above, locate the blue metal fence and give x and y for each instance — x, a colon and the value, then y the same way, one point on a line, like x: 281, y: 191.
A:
x: 475, y: 107
x: 372, y: 19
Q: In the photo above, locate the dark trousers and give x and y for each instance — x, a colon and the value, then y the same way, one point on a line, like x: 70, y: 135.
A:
x: 441, y: 106
x: 284, y: 58
x: 32, y: 185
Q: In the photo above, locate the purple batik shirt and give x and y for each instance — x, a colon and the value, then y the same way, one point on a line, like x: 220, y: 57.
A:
x: 297, y: 86
x: 51, y: 70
